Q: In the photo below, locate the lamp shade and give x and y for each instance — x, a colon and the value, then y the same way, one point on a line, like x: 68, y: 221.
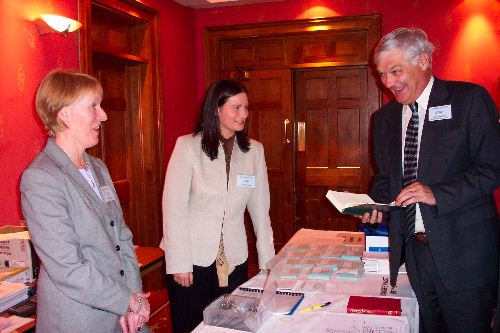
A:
x: 61, y: 23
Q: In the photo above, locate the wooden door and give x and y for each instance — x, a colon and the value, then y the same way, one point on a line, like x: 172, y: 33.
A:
x: 267, y: 52
x: 114, y: 147
x: 119, y: 46
x: 269, y: 94
x: 333, y: 104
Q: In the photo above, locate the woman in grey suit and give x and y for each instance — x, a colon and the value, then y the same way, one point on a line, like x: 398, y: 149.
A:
x: 89, y: 277
x: 212, y: 177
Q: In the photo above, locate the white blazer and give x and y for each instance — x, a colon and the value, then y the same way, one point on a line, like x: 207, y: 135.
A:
x: 197, y: 204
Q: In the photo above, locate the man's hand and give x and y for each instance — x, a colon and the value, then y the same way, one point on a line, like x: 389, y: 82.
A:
x: 184, y: 279
x: 414, y: 193
x: 374, y: 217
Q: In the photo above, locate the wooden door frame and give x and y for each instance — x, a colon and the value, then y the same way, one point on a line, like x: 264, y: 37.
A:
x: 345, y: 177
x: 151, y: 161
x: 368, y: 23
x: 143, y: 12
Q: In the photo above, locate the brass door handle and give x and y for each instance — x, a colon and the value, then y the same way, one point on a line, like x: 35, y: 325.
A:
x: 286, y: 122
x: 301, y: 136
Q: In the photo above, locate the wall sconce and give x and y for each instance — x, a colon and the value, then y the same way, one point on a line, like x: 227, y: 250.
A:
x: 56, y: 24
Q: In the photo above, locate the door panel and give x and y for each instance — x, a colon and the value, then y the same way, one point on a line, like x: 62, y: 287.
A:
x: 337, y: 109
x: 333, y: 104
x: 119, y: 46
x: 269, y: 94
x: 115, y: 132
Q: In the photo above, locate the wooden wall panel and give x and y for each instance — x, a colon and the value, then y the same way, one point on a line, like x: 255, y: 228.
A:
x: 269, y: 94
x: 253, y: 54
x: 334, y: 100
x: 120, y: 47
x: 238, y: 54
x: 316, y: 89
x: 270, y: 129
x: 336, y: 152
x: 317, y: 138
x: 348, y: 87
x: 328, y: 47
x: 348, y: 138
x: 110, y: 32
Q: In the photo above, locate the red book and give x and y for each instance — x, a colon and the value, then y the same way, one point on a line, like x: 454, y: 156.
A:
x: 374, y: 305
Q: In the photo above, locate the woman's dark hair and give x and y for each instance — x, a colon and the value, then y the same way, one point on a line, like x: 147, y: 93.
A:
x: 209, y: 126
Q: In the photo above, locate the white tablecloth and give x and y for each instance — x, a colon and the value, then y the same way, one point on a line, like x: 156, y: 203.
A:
x: 334, y: 318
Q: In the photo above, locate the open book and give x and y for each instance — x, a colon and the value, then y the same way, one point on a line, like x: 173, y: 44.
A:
x: 357, y: 204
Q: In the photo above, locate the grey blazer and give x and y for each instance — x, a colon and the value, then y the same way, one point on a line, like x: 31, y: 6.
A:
x: 88, y: 262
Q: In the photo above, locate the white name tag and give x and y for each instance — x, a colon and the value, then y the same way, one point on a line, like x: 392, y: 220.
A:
x: 245, y: 181
x: 440, y: 112
x: 107, y: 193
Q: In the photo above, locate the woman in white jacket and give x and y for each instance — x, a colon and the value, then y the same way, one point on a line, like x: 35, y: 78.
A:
x: 212, y: 177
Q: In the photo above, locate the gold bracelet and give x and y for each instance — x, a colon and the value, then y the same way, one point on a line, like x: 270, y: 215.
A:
x: 139, y: 304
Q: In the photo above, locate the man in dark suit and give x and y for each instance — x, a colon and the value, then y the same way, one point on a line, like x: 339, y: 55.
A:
x: 440, y: 158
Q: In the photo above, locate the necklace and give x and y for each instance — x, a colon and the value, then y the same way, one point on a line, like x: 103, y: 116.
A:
x: 82, y: 165
x: 90, y: 177
x: 87, y: 174
x: 78, y: 164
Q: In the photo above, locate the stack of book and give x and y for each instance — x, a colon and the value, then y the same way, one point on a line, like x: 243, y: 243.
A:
x: 376, y: 262
x: 12, y: 294
x: 14, y: 274
x: 350, y: 270
x: 320, y: 273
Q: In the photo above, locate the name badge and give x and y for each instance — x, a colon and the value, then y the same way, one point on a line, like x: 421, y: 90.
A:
x: 245, y: 181
x: 440, y: 112
x: 107, y: 193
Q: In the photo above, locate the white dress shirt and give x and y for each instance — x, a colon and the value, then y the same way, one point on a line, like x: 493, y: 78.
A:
x: 422, y: 102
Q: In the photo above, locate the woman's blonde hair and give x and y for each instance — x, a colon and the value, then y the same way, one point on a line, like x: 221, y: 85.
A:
x: 59, y: 89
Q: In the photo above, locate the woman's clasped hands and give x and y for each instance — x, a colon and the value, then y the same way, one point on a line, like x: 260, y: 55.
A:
x: 138, y: 313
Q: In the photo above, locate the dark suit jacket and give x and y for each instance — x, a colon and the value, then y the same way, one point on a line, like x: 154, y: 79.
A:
x: 459, y: 160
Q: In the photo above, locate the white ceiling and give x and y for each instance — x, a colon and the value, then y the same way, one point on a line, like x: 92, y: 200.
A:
x: 206, y: 4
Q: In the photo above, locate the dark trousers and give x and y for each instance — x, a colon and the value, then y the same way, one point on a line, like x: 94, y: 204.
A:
x: 496, y: 326
x: 466, y: 311
x: 187, y: 303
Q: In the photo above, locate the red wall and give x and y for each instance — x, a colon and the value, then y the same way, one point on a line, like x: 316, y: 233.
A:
x: 25, y: 58
x: 465, y: 32
x: 177, y: 56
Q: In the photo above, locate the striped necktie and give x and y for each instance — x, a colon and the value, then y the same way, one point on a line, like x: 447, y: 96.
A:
x: 410, y: 166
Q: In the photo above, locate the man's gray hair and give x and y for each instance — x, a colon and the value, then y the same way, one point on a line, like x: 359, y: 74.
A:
x: 411, y: 41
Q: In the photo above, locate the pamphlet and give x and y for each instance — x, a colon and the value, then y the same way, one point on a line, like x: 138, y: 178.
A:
x: 357, y: 204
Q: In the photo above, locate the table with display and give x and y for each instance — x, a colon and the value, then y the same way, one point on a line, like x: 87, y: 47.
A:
x: 334, y: 318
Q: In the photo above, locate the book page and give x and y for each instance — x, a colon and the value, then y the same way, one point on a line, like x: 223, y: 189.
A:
x: 342, y: 200
x: 357, y: 204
